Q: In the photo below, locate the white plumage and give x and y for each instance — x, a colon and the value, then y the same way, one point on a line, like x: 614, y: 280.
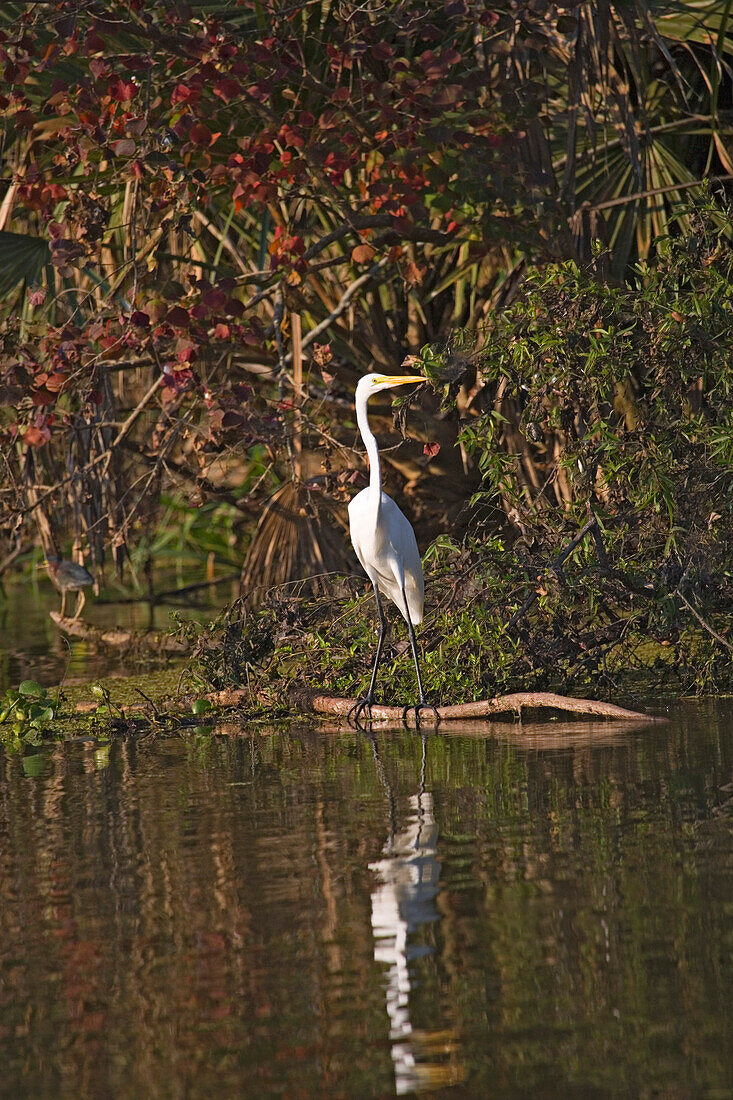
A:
x: 387, y: 549
x: 385, y: 542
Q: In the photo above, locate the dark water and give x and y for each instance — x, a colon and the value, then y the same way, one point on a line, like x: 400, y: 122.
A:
x: 308, y: 914
x: 32, y: 646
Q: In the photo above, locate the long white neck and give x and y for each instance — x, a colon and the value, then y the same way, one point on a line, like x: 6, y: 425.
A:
x: 375, y: 473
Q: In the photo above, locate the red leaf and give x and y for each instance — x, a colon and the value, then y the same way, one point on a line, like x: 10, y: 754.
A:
x: 450, y: 57
x: 55, y: 382
x: 341, y: 95
x: 178, y: 317
x: 413, y: 273
x: 36, y: 437
x: 200, y: 134
x: 41, y: 398
x: 362, y: 254
x: 322, y: 355
x: 125, y: 147
x: 98, y: 67
x: 382, y: 51
x: 431, y: 449
x: 37, y: 295
x: 94, y: 43
x: 123, y: 90
x: 136, y: 126
x: 227, y: 89
x: 215, y: 299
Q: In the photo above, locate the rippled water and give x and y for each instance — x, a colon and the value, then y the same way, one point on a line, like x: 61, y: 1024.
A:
x: 301, y: 913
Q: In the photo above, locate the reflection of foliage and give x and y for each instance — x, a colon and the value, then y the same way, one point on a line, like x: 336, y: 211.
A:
x: 583, y: 904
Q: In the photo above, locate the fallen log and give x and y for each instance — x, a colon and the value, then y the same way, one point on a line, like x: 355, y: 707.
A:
x: 458, y: 714
x: 118, y: 639
x: 515, y: 703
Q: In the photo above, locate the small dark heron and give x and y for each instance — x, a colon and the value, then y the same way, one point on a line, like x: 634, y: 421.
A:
x: 69, y: 577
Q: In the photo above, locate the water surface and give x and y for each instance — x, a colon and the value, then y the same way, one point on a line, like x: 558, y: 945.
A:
x: 309, y: 914
x: 32, y: 646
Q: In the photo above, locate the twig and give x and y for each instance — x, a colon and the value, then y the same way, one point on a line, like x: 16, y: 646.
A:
x: 10, y: 558
x: 376, y: 221
x: 342, y: 304
x: 707, y: 626
x: 556, y: 566
x: 656, y: 191
x: 136, y: 411
x: 158, y: 596
x: 297, y: 393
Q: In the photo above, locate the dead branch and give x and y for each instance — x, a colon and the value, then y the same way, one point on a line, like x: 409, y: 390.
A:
x: 158, y: 597
x: 118, y: 639
x: 500, y: 704
x: 623, y: 720
x: 702, y: 622
x: 10, y: 558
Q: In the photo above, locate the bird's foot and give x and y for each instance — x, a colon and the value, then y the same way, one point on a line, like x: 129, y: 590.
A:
x: 358, y: 709
x: 417, y: 707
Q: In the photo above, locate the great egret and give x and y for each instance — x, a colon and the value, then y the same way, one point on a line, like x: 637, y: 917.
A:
x: 385, y: 545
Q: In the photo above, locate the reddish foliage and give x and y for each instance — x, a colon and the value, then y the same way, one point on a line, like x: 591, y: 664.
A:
x: 391, y: 126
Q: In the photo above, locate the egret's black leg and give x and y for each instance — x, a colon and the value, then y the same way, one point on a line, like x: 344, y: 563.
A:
x: 366, y: 703
x: 423, y: 704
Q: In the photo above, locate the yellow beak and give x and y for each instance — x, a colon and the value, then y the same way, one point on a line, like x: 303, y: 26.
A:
x: 399, y: 379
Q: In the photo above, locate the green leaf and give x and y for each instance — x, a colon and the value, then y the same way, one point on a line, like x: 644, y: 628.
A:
x: 22, y: 257
x: 31, y: 687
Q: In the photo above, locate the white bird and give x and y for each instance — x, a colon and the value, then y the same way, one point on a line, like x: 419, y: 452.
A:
x: 385, y: 545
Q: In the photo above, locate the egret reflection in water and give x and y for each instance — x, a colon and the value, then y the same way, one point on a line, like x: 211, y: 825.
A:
x: 403, y: 900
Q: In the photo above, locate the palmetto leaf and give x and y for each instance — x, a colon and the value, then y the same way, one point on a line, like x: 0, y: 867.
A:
x: 22, y: 258
x: 631, y: 103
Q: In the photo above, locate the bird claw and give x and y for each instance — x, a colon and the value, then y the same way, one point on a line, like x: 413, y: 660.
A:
x: 417, y: 707
x: 356, y: 711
